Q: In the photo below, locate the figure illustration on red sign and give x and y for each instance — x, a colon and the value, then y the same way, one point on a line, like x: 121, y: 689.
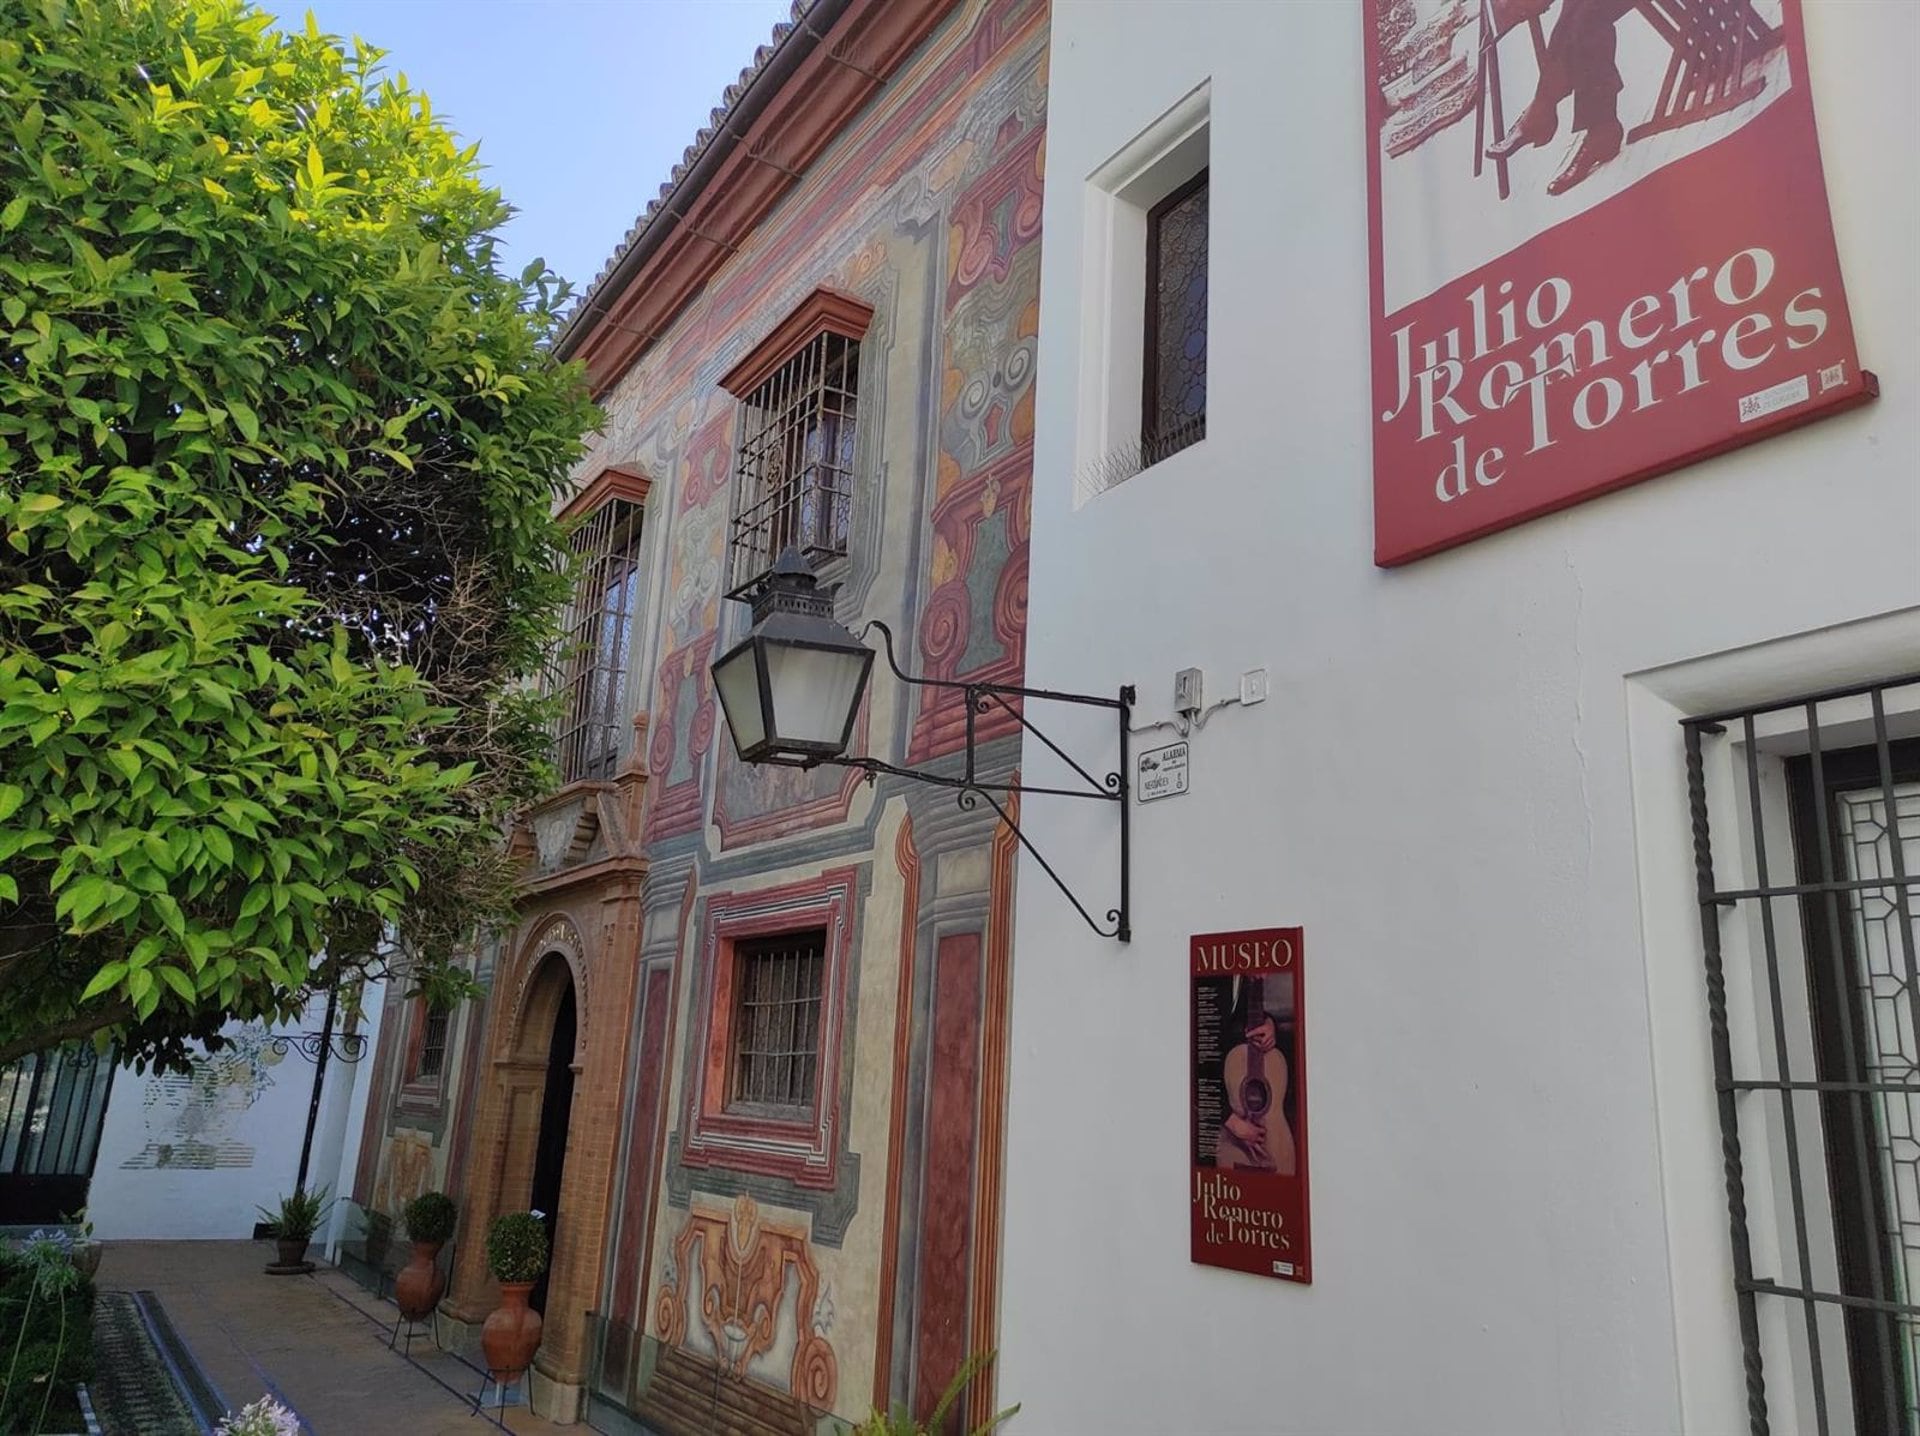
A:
x: 1249, y: 1192
x: 1578, y: 63
x: 1255, y: 1134
x: 1601, y: 250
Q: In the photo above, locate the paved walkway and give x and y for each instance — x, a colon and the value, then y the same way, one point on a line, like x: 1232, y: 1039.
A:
x: 317, y: 1342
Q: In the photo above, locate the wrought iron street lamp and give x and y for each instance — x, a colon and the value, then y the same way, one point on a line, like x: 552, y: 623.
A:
x: 791, y: 691
x: 792, y: 686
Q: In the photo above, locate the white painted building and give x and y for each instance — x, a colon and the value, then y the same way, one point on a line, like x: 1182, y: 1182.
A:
x: 196, y: 1155
x: 1469, y: 788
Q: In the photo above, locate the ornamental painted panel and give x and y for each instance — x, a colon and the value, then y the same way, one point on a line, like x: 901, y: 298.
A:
x: 745, y: 1292
x: 757, y: 804
x: 974, y: 621
x: 679, y: 748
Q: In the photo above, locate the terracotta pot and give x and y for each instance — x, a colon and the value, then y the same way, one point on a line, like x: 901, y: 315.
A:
x: 293, y: 1250
x: 419, y: 1287
x: 512, y: 1332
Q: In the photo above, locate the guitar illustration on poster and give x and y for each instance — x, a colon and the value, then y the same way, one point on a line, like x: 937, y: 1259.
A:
x: 1255, y: 1135
x: 1249, y: 1157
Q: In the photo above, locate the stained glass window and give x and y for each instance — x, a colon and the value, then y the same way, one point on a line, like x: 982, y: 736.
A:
x: 1174, y: 406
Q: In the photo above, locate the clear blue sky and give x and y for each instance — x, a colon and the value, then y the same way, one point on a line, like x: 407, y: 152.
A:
x: 580, y: 107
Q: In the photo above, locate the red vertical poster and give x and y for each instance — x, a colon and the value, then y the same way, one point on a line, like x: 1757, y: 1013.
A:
x: 1600, y: 250
x: 1249, y: 1190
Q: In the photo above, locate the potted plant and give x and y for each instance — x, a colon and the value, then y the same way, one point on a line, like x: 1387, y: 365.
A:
x: 899, y: 1423
x: 293, y: 1226
x: 516, y: 1255
x: 429, y: 1221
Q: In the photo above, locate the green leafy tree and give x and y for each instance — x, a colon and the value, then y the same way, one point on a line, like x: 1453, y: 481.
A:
x: 278, y: 449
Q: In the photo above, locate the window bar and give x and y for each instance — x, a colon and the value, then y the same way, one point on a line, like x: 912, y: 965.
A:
x: 1838, y: 1298
x: 1783, y: 1065
x: 1847, y: 885
x: 1857, y: 1099
x: 796, y: 1029
x: 772, y: 464
x: 789, y: 982
x: 1726, y: 1100
x: 810, y: 1039
x: 19, y: 1121
x: 593, y: 545
x: 10, y: 1087
x: 25, y: 1151
x: 1759, y: 1084
x: 792, y: 475
x: 82, y: 1103
x: 801, y: 417
x: 1901, y: 1358
x: 793, y: 404
x: 1896, y: 850
x: 69, y: 1093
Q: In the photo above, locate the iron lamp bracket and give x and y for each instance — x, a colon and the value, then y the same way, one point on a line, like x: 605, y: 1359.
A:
x: 971, y: 789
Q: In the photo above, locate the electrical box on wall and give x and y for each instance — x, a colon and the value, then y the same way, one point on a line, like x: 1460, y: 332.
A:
x: 1187, y: 697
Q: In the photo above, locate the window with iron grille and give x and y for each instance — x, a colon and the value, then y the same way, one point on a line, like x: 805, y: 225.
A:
x: 793, y: 477
x: 1806, y: 827
x: 591, y: 669
x: 432, y: 1058
x: 1173, y: 405
x: 775, y: 1063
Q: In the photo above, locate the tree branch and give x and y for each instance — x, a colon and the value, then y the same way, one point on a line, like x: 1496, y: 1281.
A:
x: 84, y: 1025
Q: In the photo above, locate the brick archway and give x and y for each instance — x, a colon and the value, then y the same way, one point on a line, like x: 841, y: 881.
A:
x: 552, y: 951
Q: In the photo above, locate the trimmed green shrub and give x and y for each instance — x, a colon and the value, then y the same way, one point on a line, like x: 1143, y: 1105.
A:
x: 517, y: 1247
x: 430, y: 1217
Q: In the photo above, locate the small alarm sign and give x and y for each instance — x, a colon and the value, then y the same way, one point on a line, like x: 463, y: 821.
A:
x: 1161, y: 772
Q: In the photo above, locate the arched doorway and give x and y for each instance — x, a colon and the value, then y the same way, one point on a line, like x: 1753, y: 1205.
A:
x: 556, y: 1114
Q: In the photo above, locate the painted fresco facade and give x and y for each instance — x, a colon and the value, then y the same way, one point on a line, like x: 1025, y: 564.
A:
x: 852, y: 1259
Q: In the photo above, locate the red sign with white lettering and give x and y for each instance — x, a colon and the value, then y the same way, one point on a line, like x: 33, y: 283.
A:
x: 1600, y: 250
x: 1249, y: 1180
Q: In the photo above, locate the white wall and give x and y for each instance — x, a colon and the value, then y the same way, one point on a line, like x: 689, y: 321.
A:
x: 1509, y: 1174
x: 343, y: 1119
x: 192, y: 1157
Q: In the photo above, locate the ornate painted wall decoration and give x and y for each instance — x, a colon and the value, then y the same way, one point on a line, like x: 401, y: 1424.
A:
x: 680, y: 743
x: 974, y: 619
x: 192, y: 1121
x: 697, y: 543
x: 974, y: 622
x: 406, y: 1170
x: 745, y: 1292
x: 1000, y: 214
x: 756, y: 804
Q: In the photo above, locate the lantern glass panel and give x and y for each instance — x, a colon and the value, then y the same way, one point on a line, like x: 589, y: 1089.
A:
x: 815, y: 691
x: 737, y: 679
